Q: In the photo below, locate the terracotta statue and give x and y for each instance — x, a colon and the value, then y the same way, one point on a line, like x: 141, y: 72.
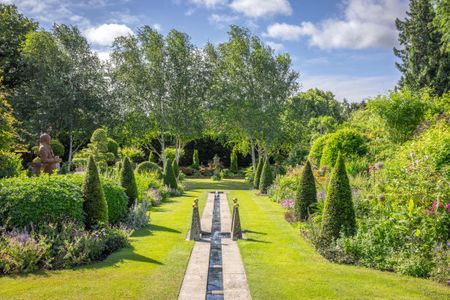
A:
x: 49, y: 161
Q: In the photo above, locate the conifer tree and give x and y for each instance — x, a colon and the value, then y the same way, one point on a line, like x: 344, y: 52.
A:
x: 128, y: 182
x: 266, y: 177
x: 339, y: 214
x: 257, y: 177
x: 95, y: 205
x: 234, y: 162
x: 169, y: 175
x: 195, y: 159
x: 307, y: 194
x: 176, y: 168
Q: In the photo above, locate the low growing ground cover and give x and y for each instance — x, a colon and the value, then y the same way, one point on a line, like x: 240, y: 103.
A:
x: 153, y: 267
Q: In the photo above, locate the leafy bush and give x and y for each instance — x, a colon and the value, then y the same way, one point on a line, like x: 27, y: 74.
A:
x: 39, y: 200
x: 133, y: 153
x: 306, y: 196
x: 94, y: 206
x: 249, y: 175
x: 113, y: 147
x: 56, y: 246
x: 147, y: 167
x: 137, y: 217
x: 10, y: 164
x: 117, y: 201
x: 170, y: 153
x: 195, y: 159
x: 258, y: 172
x: 98, y: 148
x: 146, y: 181
x: 315, y: 153
x: 297, y: 155
x: 346, y: 141
x: 339, y: 214
x: 169, y: 175
x: 128, y: 182
x: 285, y: 187
x: 57, y: 147
x: 266, y: 178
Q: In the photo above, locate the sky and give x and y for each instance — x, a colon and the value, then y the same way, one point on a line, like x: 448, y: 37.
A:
x: 344, y: 46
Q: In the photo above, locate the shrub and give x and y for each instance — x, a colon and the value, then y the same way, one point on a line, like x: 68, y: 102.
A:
x: 339, y: 214
x: 10, y: 164
x: 128, y: 182
x: 95, y: 206
x: 297, y: 155
x: 137, y: 217
x: 117, y: 201
x: 170, y: 153
x: 147, y: 167
x: 98, y: 148
x: 307, y: 194
x: 257, y: 178
x: 176, y: 169
x: 315, y: 153
x: 249, y: 174
x: 57, y: 147
x: 234, y: 162
x: 113, y: 147
x: 195, y: 159
x: 266, y: 178
x: 169, y: 175
x: 347, y: 141
x: 39, y: 200
x: 134, y: 154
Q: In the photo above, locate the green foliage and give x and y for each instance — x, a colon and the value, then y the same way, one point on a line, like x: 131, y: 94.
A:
x: 133, y: 153
x: 195, y: 159
x: 117, y: 201
x: 98, y: 149
x: 169, y: 178
x: 148, y: 166
x: 7, y: 121
x: 170, y: 153
x: 40, y: 201
x: 57, y: 147
x: 10, y: 164
x: 297, y: 154
x: 234, y: 162
x: 266, y: 177
x: 176, y: 168
x: 339, y: 215
x: 306, y: 195
x: 315, y: 153
x: 257, y: 177
x: 347, y: 141
x: 113, y: 147
x: 95, y: 205
x: 402, y: 111
x: 128, y: 182
x: 425, y: 61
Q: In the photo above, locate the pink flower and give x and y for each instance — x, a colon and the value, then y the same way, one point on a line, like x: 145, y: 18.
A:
x: 287, y: 203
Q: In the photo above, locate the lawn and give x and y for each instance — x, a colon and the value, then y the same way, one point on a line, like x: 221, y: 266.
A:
x: 152, y: 268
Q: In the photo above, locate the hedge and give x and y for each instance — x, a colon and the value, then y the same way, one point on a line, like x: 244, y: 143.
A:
x: 10, y: 164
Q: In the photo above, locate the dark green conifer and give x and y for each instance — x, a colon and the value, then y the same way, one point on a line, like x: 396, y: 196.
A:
x: 258, y: 173
x: 338, y: 215
x: 176, y: 168
x: 128, y: 182
x: 195, y: 159
x: 266, y: 177
x: 169, y: 175
x: 307, y: 194
x: 95, y: 206
x: 234, y: 162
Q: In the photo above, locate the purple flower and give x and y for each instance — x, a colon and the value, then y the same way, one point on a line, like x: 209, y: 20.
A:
x: 287, y: 203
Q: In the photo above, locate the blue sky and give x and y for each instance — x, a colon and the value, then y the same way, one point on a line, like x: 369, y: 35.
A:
x: 344, y: 46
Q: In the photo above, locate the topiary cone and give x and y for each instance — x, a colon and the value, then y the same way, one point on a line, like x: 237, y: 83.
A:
x: 339, y: 214
x: 94, y: 206
x: 257, y: 177
x: 266, y: 178
x: 169, y: 175
x: 128, y: 182
x: 234, y: 162
x: 307, y: 194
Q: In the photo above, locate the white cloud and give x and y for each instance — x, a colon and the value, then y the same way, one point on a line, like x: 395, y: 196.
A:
x: 105, y: 34
x: 222, y: 20
x: 261, y: 8
x: 103, y: 55
x: 157, y: 26
x: 275, y: 46
x: 352, y: 88
x: 210, y: 3
x: 366, y: 24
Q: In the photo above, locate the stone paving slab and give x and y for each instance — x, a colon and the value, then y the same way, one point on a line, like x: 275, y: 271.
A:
x: 196, y: 276
x: 234, y: 278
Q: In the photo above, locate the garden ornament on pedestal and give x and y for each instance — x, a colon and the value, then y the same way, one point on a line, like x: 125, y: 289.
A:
x: 195, y: 233
x: 236, y: 231
x: 49, y: 161
x: 232, y: 217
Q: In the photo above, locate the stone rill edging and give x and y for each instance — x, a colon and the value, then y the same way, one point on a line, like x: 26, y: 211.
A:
x: 233, y: 276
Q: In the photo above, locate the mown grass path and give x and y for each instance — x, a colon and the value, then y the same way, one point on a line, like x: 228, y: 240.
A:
x: 279, y: 263
x: 153, y: 268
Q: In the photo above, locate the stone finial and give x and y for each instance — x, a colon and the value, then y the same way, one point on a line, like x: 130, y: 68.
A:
x: 195, y: 233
